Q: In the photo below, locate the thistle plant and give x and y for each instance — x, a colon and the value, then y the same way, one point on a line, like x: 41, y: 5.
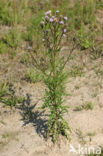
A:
x: 54, y: 29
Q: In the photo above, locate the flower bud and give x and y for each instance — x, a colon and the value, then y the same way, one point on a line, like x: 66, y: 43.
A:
x: 61, y: 22
x: 65, y: 18
x: 57, y: 11
x: 48, y: 13
x: 47, y: 32
x: 47, y: 18
x: 53, y: 17
x: 65, y: 30
x: 51, y: 20
x: 41, y: 24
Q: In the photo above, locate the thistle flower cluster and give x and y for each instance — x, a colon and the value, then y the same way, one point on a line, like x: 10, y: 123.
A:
x: 54, y: 28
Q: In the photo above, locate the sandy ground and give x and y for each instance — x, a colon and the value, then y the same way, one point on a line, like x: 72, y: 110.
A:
x: 23, y: 134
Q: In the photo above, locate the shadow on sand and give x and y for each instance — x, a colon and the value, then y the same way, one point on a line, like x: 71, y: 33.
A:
x: 36, y: 118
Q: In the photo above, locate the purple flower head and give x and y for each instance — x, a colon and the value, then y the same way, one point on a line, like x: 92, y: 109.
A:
x: 48, y: 13
x: 61, y: 22
x: 51, y: 20
x: 47, y: 31
x: 65, y: 18
x: 53, y: 17
x: 42, y: 22
x: 65, y: 30
x: 57, y: 11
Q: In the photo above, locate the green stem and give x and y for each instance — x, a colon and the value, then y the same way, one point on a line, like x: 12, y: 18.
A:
x: 54, y: 74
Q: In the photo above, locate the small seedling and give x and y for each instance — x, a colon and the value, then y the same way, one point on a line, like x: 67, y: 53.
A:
x: 20, y: 99
x: 7, y: 95
x: 91, y: 134
x: 3, y: 47
x: 25, y: 59
x: 11, y: 101
x: 5, y: 136
x: 86, y: 105
x: 3, y: 90
x: 33, y: 76
x: 79, y: 108
x: 85, y: 40
x: 75, y: 71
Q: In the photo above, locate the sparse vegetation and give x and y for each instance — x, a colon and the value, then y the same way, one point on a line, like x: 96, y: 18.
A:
x: 86, y: 105
x: 64, y: 50
x: 81, y: 136
x: 76, y: 71
x: 12, y: 39
x: 13, y: 100
x: 7, y: 95
x: 3, y: 90
x: 33, y: 76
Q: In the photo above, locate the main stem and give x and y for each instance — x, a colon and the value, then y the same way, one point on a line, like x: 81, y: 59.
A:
x: 54, y: 76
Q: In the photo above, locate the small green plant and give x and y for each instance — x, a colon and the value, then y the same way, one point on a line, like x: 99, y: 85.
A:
x: 85, y: 39
x: 75, y: 71
x: 54, y: 30
x: 13, y: 100
x: 13, y: 38
x: 8, y: 97
x: 20, y: 99
x: 86, y: 105
x: 3, y: 47
x: 25, y: 59
x: 79, y: 108
x: 91, y: 134
x: 6, y: 135
x: 3, y: 90
x: 33, y: 76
